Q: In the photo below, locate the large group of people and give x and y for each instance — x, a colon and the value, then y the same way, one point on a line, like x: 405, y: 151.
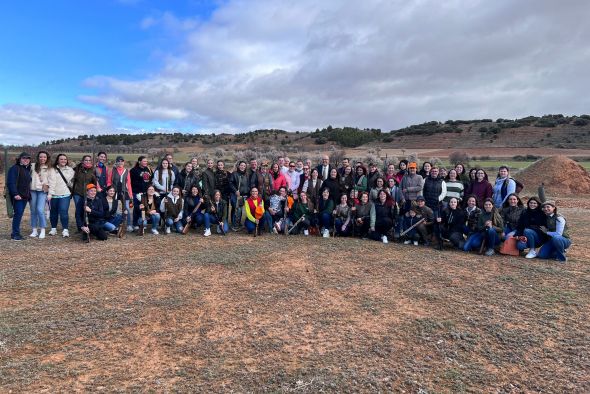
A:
x: 429, y: 206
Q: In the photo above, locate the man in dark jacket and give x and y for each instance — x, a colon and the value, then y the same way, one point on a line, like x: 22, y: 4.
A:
x: 18, y: 182
x: 324, y: 168
x: 94, y: 210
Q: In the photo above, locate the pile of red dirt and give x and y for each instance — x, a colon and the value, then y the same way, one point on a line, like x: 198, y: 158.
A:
x: 560, y: 174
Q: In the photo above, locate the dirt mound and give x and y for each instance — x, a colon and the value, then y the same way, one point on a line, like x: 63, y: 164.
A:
x: 560, y: 174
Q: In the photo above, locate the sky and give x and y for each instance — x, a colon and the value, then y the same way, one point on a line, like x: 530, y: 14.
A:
x: 109, y: 66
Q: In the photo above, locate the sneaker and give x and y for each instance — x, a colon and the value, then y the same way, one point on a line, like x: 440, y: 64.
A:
x: 131, y: 228
x: 306, y: 232
x: 490, y: 252
x: 155, y: 232
x: 384, y: 239
x: 326, y: 233
x: 207, y: 232
x: 65, y: 233
x: 531, y: 254
x: 135, y: 228
x: 53, y: 231
x: 415, y: 243
x: 34, y: 233
x: 167, y: 230
x: 407, y: 242
x: 42, y: 234
x: 16, y: 237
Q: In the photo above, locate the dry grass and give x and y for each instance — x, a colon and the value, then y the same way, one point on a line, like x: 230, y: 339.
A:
x: 174, y: 313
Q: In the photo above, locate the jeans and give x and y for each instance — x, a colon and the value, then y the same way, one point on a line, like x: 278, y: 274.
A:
x: 38, y: 200
x: 155, y: 219
x: 209, y: 218
x: 59, y: 206
x: 197, y: 219
x: 19, y: 210
x: 136, y: 210
x: 79, y: 212
x: 474, y: 241
x: 266, y: 220
x: 555, y: 248
x: 129, y: 213
x: 177, y: 226
x: 339, y: 223
x: 508, y: 232
x: 532, y: 240
x: 112, y: 224
x: 325, y: 220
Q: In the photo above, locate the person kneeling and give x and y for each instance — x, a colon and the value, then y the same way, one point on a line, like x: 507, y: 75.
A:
x: 558, y: 242
x: 489, y: 228
x: 172, y: 208
x: 92, y: 208
x: 255, y: 213
x: 452, y: 223
x: 381, y: 218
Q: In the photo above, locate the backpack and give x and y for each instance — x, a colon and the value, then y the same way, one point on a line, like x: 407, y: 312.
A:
x: 519, y: 186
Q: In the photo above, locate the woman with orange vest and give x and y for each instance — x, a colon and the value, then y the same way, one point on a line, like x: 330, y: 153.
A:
x: 256, y: 216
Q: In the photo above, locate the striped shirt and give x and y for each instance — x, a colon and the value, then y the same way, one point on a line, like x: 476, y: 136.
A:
x: 454, y: 189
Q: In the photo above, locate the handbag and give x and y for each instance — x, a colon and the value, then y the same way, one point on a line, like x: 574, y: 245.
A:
x: 509, y: 247
x: 66, y: 182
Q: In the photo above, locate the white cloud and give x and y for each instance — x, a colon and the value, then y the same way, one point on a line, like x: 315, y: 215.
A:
x: 303, y: 64
x: 377, y: 63
x: 32, y: 124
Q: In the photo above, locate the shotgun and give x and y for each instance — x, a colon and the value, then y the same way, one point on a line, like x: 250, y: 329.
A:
x: 411, y: 227
x: 296, y: 223
x: 86, y: 223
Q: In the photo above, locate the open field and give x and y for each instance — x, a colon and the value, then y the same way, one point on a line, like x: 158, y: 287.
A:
x: 498, y: 156
x: 185, y: 313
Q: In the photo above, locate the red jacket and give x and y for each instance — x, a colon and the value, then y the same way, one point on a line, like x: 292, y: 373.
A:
x: 279, y: 182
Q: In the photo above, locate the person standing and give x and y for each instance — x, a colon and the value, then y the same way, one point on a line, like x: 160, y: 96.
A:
x: 238, y: 185
x: 174, y: 169
x: 83, y: 175
x: 503, y: 187
x: 102, y: 173
x: 19, y: 189
x: 61, y: 176
x: 324, y: 168
x: 39, y: 189
x: 208, y: 179
x: 411, y: 187
x: 121, y: 179
x: 141, y: 177
x: 222, y: 184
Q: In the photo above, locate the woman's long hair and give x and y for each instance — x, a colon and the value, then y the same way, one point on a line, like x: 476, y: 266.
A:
x: 48, y: 163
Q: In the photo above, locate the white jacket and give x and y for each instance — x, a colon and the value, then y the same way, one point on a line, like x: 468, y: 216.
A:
x: 38, y: 180
x: 57, y: 187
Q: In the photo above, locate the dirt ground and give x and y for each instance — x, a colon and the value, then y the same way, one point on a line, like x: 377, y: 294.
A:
x: 282, y: 314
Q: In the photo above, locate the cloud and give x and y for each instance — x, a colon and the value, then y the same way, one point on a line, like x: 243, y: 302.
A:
x: 170, y: 22
x: 32, y: 124
x: 304, y: 64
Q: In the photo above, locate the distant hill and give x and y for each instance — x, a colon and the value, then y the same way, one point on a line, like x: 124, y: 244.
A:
x: 555, y: 131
